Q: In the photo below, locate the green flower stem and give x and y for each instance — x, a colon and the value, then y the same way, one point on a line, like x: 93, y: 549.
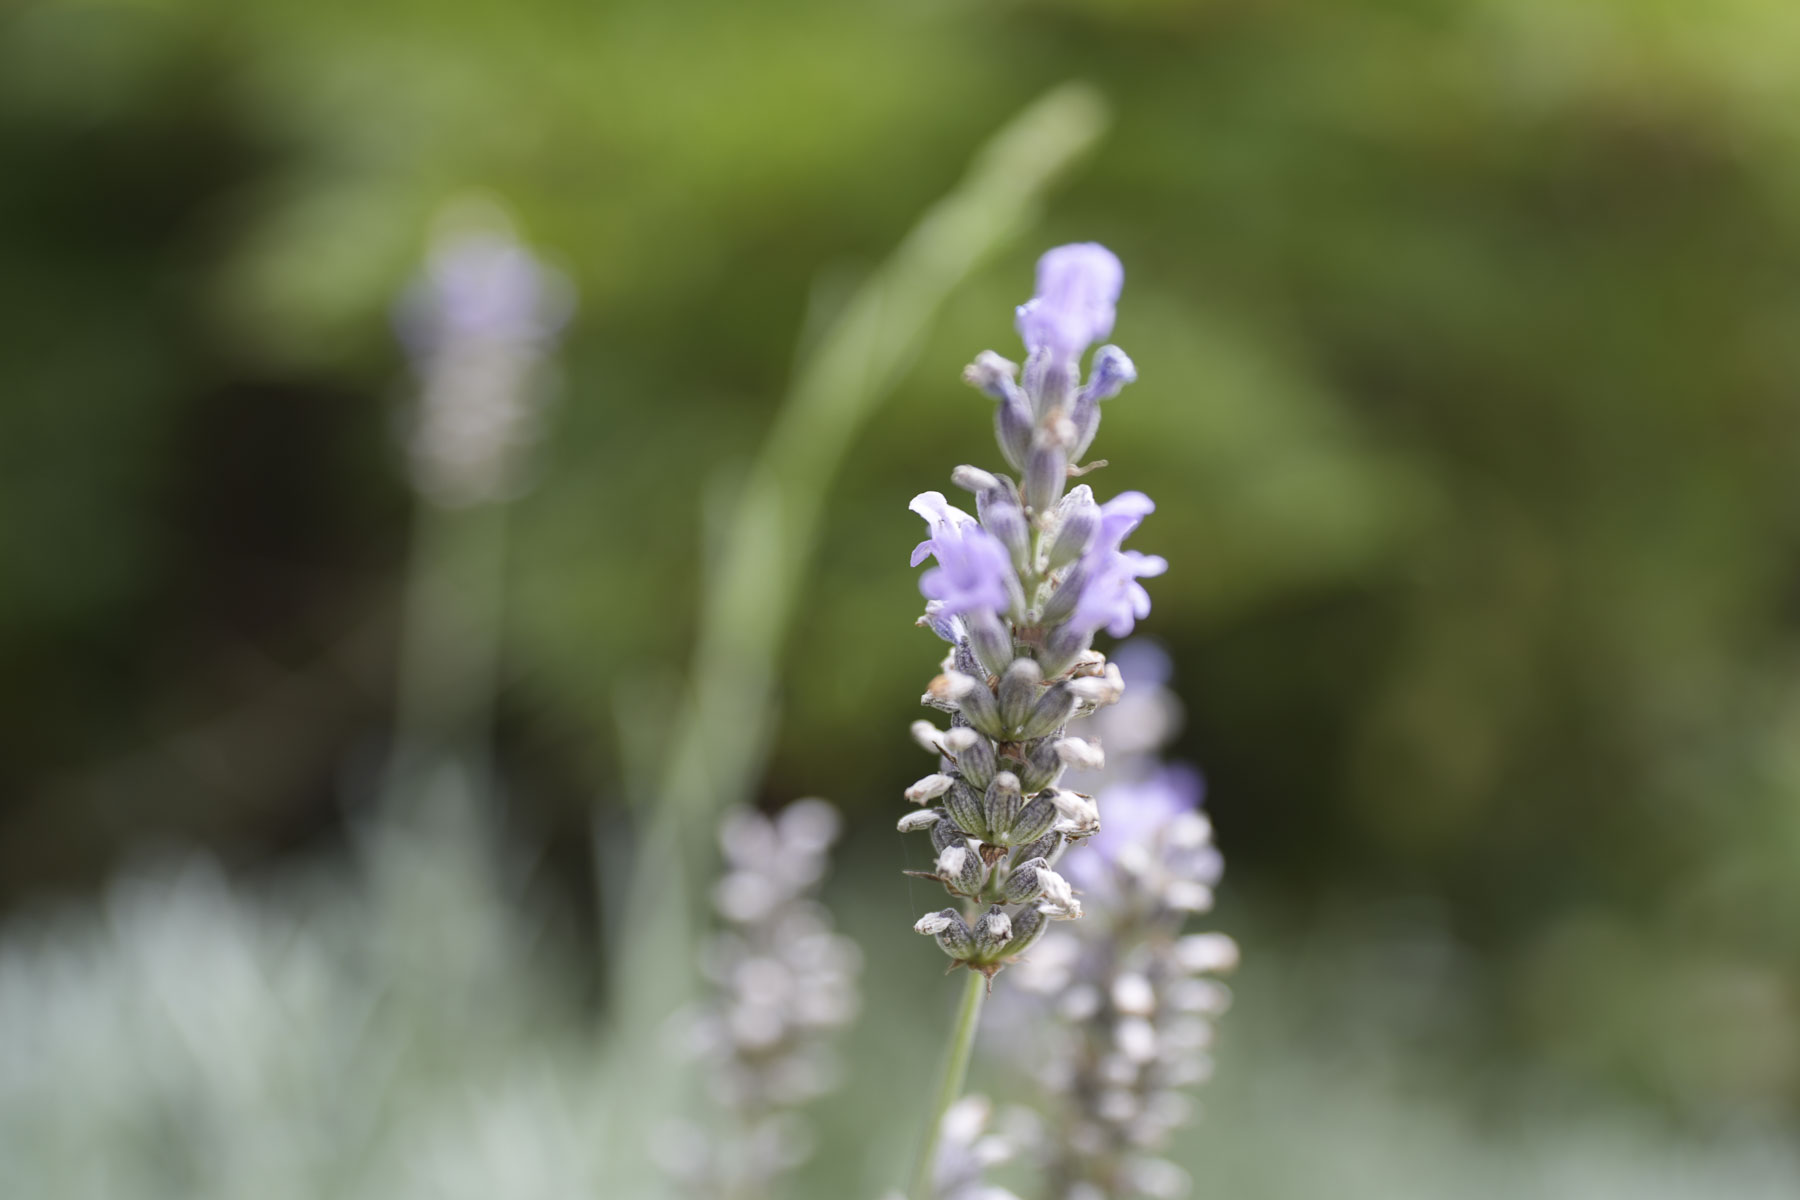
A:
x: 950, y: 1083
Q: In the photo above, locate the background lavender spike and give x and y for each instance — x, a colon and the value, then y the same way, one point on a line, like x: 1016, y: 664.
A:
x: 783, y: 985
x: 1129, y: 1000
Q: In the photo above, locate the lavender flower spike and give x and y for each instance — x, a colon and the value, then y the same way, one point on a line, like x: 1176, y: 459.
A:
x: 1128, y: 997
x: 1020, y: 591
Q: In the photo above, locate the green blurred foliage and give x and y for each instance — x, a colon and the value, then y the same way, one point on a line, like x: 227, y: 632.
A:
x: 1467, y: 338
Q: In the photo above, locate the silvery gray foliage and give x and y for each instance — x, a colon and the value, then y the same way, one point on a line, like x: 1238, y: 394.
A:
x: 1132, y: 999
x: 783, y: 985
x: 398, y: 1030
x: 1019, y: 590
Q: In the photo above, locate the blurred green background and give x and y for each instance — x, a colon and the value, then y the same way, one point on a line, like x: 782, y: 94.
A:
x: 1469, y: 336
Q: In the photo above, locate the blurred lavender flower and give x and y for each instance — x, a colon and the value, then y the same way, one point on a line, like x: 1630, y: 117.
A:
x: 478, y: 324
x: 1020, y: 590
x: 784, y: 984
x: 1130, y: 995
x: 971, y: 1142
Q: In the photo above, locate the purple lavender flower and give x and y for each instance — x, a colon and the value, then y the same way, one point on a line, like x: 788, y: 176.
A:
x: 483, y: 286
x: 1077, y: 289
x: 1113, y: 599
x: 974, y: 571
x: 1101, y: 590
x: 1137, y: 813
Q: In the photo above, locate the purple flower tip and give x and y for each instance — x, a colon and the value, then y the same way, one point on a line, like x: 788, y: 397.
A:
x: 1077, y: 290
x: 483, y: 286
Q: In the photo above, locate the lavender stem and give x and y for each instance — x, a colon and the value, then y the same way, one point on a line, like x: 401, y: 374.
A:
x: 950, y: 1083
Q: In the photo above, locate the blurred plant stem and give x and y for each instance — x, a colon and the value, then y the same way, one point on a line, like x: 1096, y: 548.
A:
x: 950, y: 1083
x: 449, y: 654
x: 715, y: 747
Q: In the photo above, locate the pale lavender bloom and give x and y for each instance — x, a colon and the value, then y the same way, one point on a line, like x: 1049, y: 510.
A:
x: 1077, y: 291
x: 483, y: 286
x: 1137, y: 814
x: 974, y: 571
x: 1113, y: 599
x: 1110, y: 596
x: 478, y: 323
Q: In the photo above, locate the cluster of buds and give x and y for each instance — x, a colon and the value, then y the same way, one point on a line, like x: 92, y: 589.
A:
x: 1020, y: 590
x: 1133, y: 997
x: 783, y: 985
x: 478, y: 325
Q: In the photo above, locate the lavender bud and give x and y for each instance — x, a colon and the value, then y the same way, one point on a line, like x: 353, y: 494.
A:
x: 929, y: 788
x: 994, y: 375
x: 925, y: 818
x: 1002, y: 803
x: 974, y: 479
x: 1065, y: 645
x: 1027, y: 925
x: 1033, y: 823
x: 944, y: 835
x: 950, y: 930
x: 993, y: 931
x: 1049, y: 713
x: 961, y: 870
x: 1042, y: 768
x: 1022, y: 882
x: 1019, y: 688
x: 1013, y: 427
x: 963, y: 803
x: 1002, y: 514
x: 1110, y: 373
x: 1079, y: 753
x: 976, y: 761
x: 1079, y: 520
x: 1012, y: 419
x: 1047, y: 466
x: 973, y: 698
x: 990, y: 639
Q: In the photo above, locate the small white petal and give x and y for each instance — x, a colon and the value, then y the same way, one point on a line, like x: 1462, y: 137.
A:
x: 912, y: 822
x: 932, y: 923
x: 929, y: 788
x: 1134, y: 995
x: 1199, y: 952
x: 1136, y: 1039
x: 1081, y: 754
x: 1184, y: 895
